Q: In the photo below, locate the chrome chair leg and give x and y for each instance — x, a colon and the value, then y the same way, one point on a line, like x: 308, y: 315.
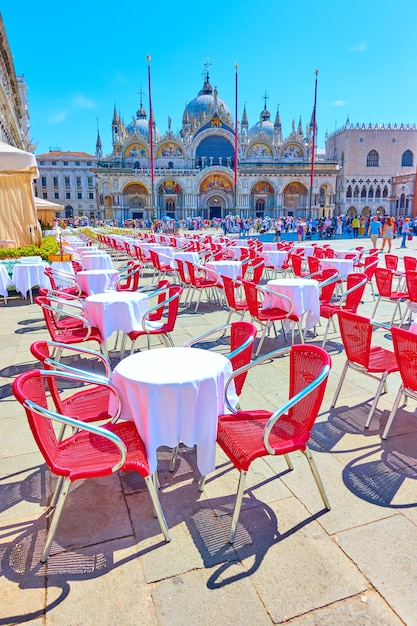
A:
x: 55, y: 519
x: 316, y: 475
x: 238, y: 505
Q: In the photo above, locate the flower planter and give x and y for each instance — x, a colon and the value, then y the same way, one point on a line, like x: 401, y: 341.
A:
x: 56, y: 258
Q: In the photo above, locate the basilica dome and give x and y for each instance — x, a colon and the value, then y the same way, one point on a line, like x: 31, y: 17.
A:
x: 205, y: 105
x: 141, y: 125
x: 265, y: 125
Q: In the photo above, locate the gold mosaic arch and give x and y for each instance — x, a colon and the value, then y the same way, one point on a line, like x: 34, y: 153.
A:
x: 169, y: 149
x: 262, y: 187
x: 138, y: 189
x: 136, y: 150
x: 217, y: 182
x: 292, y: 150
x: 170, y: 186
x: 295, y: 187
x: 259, y: 149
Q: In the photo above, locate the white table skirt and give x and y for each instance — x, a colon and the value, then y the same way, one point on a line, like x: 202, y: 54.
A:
x: 308, y: 250
x: 344, y: 266
x: 97, y: 262
x: 28, y: 275
x: 274, y: 258
x: 192, y: 257
x: 5, y: 281
x: 304, y: 292
x: 174, y: 394
x: 231, y: 269
x: 97, y: 281
x: 116, y: 310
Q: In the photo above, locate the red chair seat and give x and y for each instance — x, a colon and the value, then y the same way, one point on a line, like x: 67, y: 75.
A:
x: 382, y: 360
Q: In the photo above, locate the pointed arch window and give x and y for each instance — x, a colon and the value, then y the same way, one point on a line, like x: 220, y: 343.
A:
x: 371, y: 192
x: 349, y: 192
x: 378, y: 192
x: 363, y: 192
x: 407, y: 159
x: 372, y: 160
x: 356, y: 192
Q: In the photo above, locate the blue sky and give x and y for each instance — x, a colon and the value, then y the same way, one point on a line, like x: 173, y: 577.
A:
x: 80, y: 58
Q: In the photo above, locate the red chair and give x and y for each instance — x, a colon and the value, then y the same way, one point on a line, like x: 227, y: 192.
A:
x: 92, y: 451
x: 328, y: 282
x: 383, y: 279
x: 202, y: 280
x: 405, y: 348
x: 253, y: 270
x: 242, y: 336
x: 160, y: 267
x: 247, y: 435
x: 129, y: 277
x: 410, y: 263
x: 88, y: 404
x: 369, y: 266
x: 319, y: 253
x: 239, y: 306
x: 391, y: 261
x: 411, y: 283
x: 58, y: 278
x: 68, y: 336
x: 376, y: 362
x: 268, y: 316
x: 296, y: 262
x: 160, y: 319
x: 349, y: 301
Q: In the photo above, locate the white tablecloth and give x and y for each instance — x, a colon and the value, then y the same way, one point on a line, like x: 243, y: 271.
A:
x: 97, y: 281
x: 116, y: 310
x: 274, y: 258
x: 308, y: 250
x: 344, y: 266
x: 304, y: 292
x: 174, y: 394
x: 28, y: 275
x: 97, y: 261
x: 4, y: 281
x: 231, y: 269
x: 192, y: 257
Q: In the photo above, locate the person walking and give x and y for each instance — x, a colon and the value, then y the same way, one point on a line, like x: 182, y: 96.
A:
x: 355, y: 225
x: 387, y: 233
x: 374, y: 230
x: 405, y: 231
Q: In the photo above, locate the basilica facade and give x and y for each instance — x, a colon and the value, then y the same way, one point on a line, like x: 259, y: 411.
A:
x: 152, y: 175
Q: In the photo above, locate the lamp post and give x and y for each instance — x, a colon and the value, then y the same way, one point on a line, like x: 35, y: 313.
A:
x: 235, y: 211
x: 313, y: 146
x: 153, y: 210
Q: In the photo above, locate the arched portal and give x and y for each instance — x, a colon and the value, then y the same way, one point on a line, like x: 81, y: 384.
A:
x: 295, y: 197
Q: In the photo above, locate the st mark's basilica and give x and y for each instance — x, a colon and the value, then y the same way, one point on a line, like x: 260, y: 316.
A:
x: 193, y: 171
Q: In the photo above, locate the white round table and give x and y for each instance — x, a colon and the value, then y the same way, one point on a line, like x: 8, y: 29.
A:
x: 116, y: 310
x: 97, y: 281
x: 175, y: 394
x: 304, y: 292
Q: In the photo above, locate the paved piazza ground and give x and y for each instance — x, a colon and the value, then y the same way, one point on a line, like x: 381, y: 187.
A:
x: 292, y: 562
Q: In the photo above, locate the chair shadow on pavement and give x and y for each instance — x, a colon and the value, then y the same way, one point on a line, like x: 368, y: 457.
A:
x: 209, y: 518
x: 381, y: 467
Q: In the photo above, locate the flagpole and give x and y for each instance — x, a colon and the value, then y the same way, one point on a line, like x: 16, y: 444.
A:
x: 153, y: 211
x: 235, y: 211
x: 313, y: 147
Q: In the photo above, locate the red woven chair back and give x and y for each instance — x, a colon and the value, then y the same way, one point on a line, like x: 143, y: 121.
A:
x: 306, y: 363
x: 370, y: 265
x: 326, y: 292
x: 229, y: 291
x: 181, y: 271
x: 313, y: 264
x: 383, y: 279
x: 410, y: 263
x: 40, y: 350
x: 353, y: 299
x: 405, y: 347
x: 131, y: 282
x: 391, y: 261
x: 239, y: 333
x: 411, y: 281
x: 319, y: 253
x: 330, y: 254
x: 251, y: 294
x: 356, y: 333
x: 296, y: 262
x: 30, y: 386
